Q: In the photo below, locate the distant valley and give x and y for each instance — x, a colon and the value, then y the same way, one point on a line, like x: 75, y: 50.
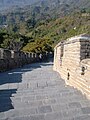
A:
x: 40, y: 24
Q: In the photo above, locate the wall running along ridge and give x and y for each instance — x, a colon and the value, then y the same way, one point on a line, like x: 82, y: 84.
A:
x: 72, y: 61
x: 13, y: 59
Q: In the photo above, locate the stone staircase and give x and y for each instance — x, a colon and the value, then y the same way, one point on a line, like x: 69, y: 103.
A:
x: 41, y: 95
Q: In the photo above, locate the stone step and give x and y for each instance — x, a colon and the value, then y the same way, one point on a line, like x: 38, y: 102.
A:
x: 46, y: 100
x: 50, y: 99
x: 27, y: 117
x: 37, y: 114
x: 21, y: 112
x: 47, y: 111
x: 82, y: 117
x: 41, y: 90
x: 48, y: 93
x: 27, y: 104
x: 14, y: 91
x: 46, y: 97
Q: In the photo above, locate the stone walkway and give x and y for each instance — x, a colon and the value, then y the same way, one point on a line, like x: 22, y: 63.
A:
x: 36, y: 92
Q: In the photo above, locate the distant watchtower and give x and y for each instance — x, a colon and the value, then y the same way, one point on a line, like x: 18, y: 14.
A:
x: 72, y: 61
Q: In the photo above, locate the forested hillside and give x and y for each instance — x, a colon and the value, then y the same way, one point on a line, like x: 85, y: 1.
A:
x: 59, y: 29
x: 40, y: 26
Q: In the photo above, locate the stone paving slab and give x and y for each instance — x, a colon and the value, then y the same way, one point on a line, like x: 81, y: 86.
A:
x: 36, y: 92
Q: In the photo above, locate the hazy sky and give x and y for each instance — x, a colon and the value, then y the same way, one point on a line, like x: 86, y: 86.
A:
x: 9, y: 3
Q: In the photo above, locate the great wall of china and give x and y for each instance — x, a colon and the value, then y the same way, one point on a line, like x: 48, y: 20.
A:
x: 13, y: 59
x: 72, y: 61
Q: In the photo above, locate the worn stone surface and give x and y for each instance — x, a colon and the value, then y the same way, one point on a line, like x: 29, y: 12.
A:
x: 36, y: 92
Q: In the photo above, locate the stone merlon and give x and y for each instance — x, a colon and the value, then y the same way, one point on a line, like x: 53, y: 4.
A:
x: 10, y: 59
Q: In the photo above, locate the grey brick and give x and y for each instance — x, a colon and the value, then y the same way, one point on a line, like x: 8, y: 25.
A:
x: 28, y: 98
x: 6, y: 119
x: 28, y: 111
x: 45, y: 109
x: 27, y: 104
x: 2, y: 115
x: 86, y: 110
x: 37, y: 117
x: 13, y: 85
x: 34, y: 117
x: 53, y: 116
x: 49, y: 101
x: 83, y: 117
x: 41, y: 97
x: 4, y: 87
x: 12, y: 113
x: 74, y: 105
x: 59, y: 107
x: 41, y: 84
x: 71, y: 113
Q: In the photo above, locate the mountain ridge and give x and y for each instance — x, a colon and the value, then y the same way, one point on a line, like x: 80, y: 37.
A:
x: 5, y: 4
x: 43, y: 24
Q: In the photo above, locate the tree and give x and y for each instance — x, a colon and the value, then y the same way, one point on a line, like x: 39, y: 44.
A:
x: 31, y: 22
x: 39, y: 46
x: 83, y: 10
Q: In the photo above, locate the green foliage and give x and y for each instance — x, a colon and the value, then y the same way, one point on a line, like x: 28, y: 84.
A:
x: 31, y: 23
x: 61, y: 28
x: 12, y: 40
x: 83, y: 10
x: 2, y: 36
x: 39, y: 46
x: 41, y: 35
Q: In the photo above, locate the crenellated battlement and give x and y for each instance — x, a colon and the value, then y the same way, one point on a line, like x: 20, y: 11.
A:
x: 12, y: 59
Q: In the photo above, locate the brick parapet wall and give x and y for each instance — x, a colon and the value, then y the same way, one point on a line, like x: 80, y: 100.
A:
x: 13, y: 59
x: 74, y: 63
